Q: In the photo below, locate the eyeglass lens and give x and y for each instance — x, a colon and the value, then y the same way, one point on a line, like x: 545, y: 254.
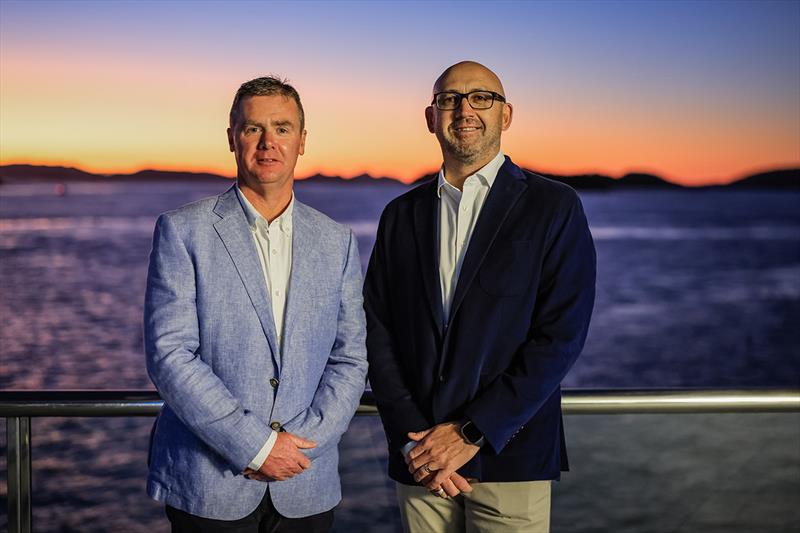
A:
x: 477, y: 99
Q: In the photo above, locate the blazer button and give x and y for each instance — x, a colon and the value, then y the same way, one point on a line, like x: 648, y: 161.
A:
x: 274, y: 382
x: 441, y: 378
x: 276, y: 426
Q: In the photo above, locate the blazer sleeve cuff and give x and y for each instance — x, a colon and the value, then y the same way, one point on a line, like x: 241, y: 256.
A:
x: 496, y: 434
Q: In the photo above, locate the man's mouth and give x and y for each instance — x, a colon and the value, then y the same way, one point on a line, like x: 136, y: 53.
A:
x: 468, y: 128
x: 266, y: 161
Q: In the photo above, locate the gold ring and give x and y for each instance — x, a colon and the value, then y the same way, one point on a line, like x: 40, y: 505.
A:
x: 427, y: 468
x: 440, y: 492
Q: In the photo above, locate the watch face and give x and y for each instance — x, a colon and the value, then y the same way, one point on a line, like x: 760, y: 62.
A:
x: 471, y: 433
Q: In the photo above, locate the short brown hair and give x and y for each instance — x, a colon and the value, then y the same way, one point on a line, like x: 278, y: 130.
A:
x: 266, y: 86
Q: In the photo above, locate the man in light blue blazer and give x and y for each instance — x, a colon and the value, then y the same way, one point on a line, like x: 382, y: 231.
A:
x: 254, y: 337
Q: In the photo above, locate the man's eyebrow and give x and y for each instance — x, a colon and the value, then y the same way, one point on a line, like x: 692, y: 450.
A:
x: 474, y: 89
x: 284, y: 123
x: 252, y: 123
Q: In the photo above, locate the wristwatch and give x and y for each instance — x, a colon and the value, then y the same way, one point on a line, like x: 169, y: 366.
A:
x: 471, y: 434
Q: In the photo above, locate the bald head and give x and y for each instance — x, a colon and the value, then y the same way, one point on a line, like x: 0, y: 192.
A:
x: 468, y: 131
x: 468, y: 76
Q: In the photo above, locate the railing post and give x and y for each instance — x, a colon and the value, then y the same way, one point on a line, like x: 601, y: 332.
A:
x: 18, y: 461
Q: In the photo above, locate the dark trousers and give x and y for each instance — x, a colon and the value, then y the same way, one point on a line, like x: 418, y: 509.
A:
x: 265, y: 519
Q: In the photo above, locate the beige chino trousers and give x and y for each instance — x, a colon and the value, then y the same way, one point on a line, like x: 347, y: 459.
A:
x: 518, y: 507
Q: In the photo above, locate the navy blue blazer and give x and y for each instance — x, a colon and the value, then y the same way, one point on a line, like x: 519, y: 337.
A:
x: 518, y: 321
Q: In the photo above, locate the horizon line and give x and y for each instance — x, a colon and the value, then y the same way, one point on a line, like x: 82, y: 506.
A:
x: 188, y: 170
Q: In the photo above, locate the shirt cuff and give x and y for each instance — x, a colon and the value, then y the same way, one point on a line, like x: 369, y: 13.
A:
x: 259, y: 459
x: 410, y: 445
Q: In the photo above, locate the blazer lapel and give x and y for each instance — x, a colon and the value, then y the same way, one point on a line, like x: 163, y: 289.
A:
x: 235, y: 234
x: 303, y: 274
x: 426, y: 216
x: 506, y: 190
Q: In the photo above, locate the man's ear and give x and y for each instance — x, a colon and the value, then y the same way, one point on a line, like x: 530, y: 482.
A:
x: 508, y: 113
x: 302, y: 148
x: 230, y: 139
x: 429, y: 118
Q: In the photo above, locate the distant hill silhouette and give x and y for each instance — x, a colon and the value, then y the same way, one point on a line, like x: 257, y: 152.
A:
x: 37, y: 173
x: 643, y: 180
x: 361, y: 178
x: 591, y: 181
x: 775, y: 179
x: 582, y: 181
x: 167, y: 175
x: 783, y: 179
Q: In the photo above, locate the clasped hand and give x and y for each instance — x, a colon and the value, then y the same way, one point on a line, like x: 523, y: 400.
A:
x: 285, y: 460
x: 439, y: 452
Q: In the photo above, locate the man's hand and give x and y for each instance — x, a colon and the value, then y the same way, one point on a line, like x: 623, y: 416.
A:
x: 454, y: 486
x: 284, y: 460
x: 440, y: 451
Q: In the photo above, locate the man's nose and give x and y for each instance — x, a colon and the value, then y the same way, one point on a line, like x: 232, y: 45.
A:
x: 464, y: 109
x: 267, y: 140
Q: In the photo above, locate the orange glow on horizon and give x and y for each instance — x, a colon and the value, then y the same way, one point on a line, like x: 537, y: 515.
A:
x: 105, y: 121
x: 229, y: 171
x: 697, y: 93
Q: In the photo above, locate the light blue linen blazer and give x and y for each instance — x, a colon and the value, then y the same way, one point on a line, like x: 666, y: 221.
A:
x: 211, y: 351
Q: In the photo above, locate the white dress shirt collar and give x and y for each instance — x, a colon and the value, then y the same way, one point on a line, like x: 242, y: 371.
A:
x: 486, y: 174
x: 255, y: 219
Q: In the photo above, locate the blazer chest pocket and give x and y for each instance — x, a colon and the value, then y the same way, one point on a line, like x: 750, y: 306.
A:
x: 509, y: 269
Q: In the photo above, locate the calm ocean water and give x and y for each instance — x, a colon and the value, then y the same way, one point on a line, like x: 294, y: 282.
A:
x: 695, y: 289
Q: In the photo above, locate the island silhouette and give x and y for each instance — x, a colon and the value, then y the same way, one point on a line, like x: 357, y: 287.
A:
x: 786, y: 178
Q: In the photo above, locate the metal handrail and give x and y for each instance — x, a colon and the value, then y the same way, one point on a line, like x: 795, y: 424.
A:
x: 18, y: 406
x: 27, y: 403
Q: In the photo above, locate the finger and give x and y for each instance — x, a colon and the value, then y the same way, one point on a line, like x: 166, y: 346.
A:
x: 418, y: 435
x: 300, y: 442
x: 418, y: 463
x: 416, y: 451
x: 437, y: 479
x: 426, y: 469
x: 419, y: 459
x: 421, y: 474
x: 438, y: 491
x: 304, y: 462
x: 425, y: 481
x: 460, y: 483
x: 450, y: 488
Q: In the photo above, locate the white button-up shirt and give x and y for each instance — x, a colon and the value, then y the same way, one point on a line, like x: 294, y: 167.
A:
x: 458, y: 213
x: 273, y: 243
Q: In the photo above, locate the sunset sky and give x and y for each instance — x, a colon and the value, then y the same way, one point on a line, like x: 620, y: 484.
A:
x: 697, y: 92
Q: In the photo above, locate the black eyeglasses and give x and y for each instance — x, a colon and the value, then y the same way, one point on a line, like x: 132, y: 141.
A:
x: 449, y: 100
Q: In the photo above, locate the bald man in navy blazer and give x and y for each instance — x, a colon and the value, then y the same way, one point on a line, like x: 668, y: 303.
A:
x: 478, y: 296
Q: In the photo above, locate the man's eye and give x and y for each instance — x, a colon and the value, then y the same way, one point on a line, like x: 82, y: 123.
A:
x: 283, y: 131
x: 251, y: 129
x: 480, y: 97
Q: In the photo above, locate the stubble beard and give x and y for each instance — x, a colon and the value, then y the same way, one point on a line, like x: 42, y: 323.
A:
x: 469, y: 153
